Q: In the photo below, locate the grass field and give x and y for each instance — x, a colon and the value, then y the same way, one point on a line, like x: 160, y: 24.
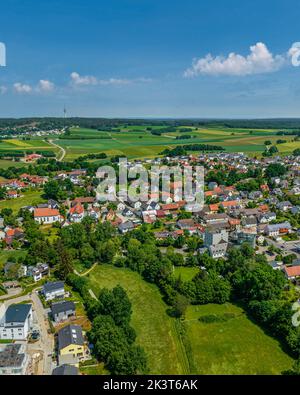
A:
x: 237, y: 346
x: 6, y: 255
x: 155, y: 329
x: 5, y: 164
x: 94, y: 370
x: 186, y: 273
x: 36, y: 144
x: 29, y: 198
x: 138, y: 142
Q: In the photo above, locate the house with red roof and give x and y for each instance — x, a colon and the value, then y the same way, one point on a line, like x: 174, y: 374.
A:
x: 32, y: 157
x: 47, y: 216
x: 12, y: 234
x: 12, y: 194
x: 76, y: 213
x: 292, y: 272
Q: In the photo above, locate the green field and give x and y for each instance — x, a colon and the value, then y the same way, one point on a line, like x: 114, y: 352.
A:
x: 237, y: 346
x: 155, y: 329
x: 94, y: 370
x: 36, y: 144
x: 138, y: 142
x: 29, y: 198
x: 186, y: 273
x: 5, y: 164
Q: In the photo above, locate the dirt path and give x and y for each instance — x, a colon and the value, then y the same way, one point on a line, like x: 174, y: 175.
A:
x: 87, y: 272
x: 62, y: 150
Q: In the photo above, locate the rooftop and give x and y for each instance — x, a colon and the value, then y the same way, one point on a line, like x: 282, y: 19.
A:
x: 17, y: 312
x: 65, y: 370
x: 53, y: 286
x: 70, y: 334
x: 10, y: 356
x: 60, y: 307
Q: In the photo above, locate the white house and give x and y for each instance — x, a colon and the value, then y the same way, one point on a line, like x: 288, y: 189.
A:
x: 53, y: 290
x: 15, y: 322
x: 47, y: 215
x: 276, y: 229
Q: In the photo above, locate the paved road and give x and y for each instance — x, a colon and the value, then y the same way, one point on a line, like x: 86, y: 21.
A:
x: 62, y: 150
x: 287, y: 247
x: 46, y: 342
x: 11, y: 294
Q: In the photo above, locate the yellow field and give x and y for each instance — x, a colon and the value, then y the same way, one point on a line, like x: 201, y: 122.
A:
x: 18, y: 143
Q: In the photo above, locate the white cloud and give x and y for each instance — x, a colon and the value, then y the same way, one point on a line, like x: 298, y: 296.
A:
x: 259, y: 60
x: 45, y: 86
x: 3, y: 89
x: 83, y: 80
x: 294, y: 54
x: 22, y: 88
x: 86, y: 80
x: 114, y: 81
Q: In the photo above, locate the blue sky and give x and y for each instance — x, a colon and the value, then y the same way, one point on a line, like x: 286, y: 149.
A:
x: 134, y: 58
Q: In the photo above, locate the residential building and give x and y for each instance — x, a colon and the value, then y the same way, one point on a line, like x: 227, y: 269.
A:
x: 277, y: 229
x: 47, y: 215
x: 216, y: 242
x: 71, y: 345
x: 54, y: 290
x: 61, y: 311
x: 292, y: 272
x: 65, y: 370
x: 15, y: 322
x: 13, y: 359
x: 38, y: 272
x: 76, y: 213
x: 126, y: 227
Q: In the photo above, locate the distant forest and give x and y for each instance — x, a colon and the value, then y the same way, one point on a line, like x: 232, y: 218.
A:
x: 106, y: 123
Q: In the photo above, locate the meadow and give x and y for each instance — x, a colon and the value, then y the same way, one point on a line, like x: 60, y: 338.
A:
x: 234, y: 346
x: 155, y: 329
x: 6, y: 255
x: 29, y: 198
x: 138, y: 141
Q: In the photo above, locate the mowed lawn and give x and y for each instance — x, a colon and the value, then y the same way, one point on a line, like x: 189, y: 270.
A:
x: 29, y: 198
x: 185, y: 273
x: 155, y: 329
x: 237, y: 346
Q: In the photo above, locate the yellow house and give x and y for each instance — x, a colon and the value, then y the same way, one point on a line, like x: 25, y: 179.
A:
x: 71, y: 345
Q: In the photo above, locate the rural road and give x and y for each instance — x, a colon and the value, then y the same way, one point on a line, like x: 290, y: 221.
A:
x: 62, y: 150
